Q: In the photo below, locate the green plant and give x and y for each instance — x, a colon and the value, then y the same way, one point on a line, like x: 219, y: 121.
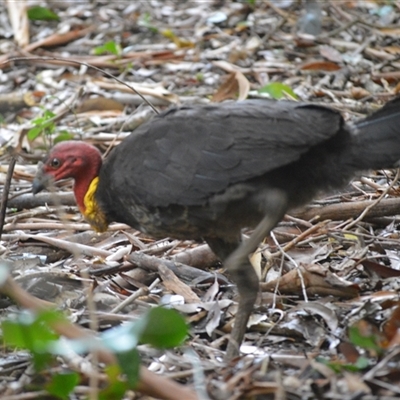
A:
x: 109, y: 47
x: 45, y: 125
x: 38, y: 13
x: 367, y: 342
x: 339, y: 366
x: 145, y: 21
x: 277, y: 90
x: 160, y: 327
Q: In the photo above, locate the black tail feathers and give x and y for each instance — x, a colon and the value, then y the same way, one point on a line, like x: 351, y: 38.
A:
x: 377, y: 141
x: 388, y: 114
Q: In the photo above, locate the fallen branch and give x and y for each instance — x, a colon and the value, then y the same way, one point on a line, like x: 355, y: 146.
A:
x: 343, y: 211
x: 184, y: 272
x: 27, y: 201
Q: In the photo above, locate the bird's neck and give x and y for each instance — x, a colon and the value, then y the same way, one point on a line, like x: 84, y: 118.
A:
x: 85, y: 190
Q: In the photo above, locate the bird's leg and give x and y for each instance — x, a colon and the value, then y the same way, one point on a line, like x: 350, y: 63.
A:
x: 243, y: 273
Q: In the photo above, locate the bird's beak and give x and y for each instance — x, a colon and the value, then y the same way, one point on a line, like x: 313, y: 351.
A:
x: 42, y: 180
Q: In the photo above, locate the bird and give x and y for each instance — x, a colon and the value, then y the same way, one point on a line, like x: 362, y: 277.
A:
x: 205, y: 172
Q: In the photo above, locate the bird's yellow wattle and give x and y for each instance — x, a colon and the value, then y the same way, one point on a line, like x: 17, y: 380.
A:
x: 92, y: 211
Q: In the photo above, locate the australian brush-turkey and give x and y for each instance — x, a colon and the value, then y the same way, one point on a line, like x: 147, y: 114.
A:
x: 206, y: 172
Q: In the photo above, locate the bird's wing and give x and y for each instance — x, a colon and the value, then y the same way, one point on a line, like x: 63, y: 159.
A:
x: 186, y: 155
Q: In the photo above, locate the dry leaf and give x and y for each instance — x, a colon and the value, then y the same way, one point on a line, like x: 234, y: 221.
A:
x: 390, y: 31
x: 320, y: 66
x: 381, y: 270
x: 213, y: 318
x: 391, y: 328
x: 17, y: 12
x: 212, y: 291
x: 255, y: 261
x: 355, y: 384
x: 330, y: 54
x: 228, y: 90
x: 101, y: 104
x: 349, y: 351
x: 244, y: 86
x: 315, y: 283
x: 359, y: 93
x: 326, y: 313
x: 58, y: 39
x: 236, y: 87
x: 392, y: 49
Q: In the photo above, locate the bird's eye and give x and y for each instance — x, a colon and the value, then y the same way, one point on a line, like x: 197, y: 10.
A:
x: 55, y: 163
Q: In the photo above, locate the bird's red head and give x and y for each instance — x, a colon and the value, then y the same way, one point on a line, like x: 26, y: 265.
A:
x: 71, y: 159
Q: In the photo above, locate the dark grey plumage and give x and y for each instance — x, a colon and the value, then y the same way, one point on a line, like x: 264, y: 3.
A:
x: 197, y: 171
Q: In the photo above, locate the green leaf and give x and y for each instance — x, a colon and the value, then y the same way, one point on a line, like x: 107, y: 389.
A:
x: 33, y: 332
x: 145, y: 21
x: 116, y: 387
x: 129, y: 361
x: 33, y: 133
x: 335, y: 367
x: 62, y: 136
x: 47, y: 114
x: 339, y: 367
x: 41, y: 360
x: 362, y: 363
x: 61, y: 385
x: 277, y: 90
x: 366, y: 342
x: 37, y: 13
x: 165, y: 328
x: 160, y: 327
x: 109, y: 47
x: 42, y: 124
x: 39, y: 121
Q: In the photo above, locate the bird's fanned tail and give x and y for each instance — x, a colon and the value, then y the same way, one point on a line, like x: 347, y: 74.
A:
x: 378, y: 140
x: 389, y: 112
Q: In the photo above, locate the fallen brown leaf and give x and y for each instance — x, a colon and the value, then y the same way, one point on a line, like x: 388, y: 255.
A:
x: 320, y: 66
x: 324, y: 284
x: 56, y: 39
x: 236, y: 86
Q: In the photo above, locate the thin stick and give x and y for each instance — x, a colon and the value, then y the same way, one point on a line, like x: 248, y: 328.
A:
x: 6, y: 191
x: 86, y: 65
x: 367, y: 209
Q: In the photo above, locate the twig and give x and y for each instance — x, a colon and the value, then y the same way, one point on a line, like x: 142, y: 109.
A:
x: 299, y: 238
x: 86, y: 65
x: 367, y: 209
x: 299, y: 273
x: 6, y: 191
x: 140, y: 292
x: 342, y: 28
x: 350, y: 209
x: 76, y: 249
x: 31, y: 226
